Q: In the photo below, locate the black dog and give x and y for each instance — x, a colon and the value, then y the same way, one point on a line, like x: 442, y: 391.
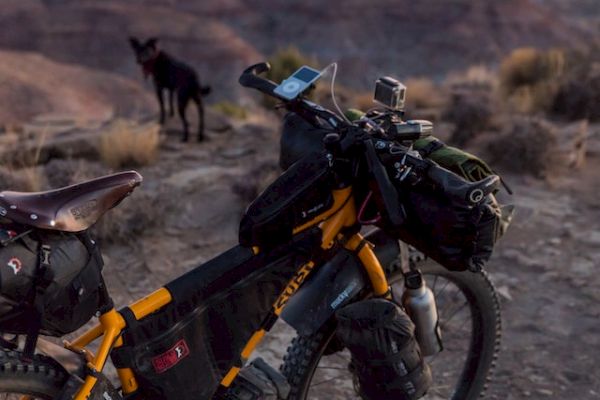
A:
x: 174, y: 76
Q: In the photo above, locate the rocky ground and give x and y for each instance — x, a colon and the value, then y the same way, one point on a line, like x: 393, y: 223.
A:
x: 545, y: 268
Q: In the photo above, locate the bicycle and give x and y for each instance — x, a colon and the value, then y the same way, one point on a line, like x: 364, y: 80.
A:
x: 199, y: 330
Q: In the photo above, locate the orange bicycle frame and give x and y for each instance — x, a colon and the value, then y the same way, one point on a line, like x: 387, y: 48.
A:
x: 332, y: 223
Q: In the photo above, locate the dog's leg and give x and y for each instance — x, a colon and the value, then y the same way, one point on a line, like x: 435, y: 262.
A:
x: 182, y: 100
x: 198, y: 100
x: 161, y: 103
x: 171, y: 109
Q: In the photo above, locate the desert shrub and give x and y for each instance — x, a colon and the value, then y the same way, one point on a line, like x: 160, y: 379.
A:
x: 144, y: 210
x: 422, y: 93
x: 530, y: 78
x: 471, y: 112
x: 248, y: 187
x: 476, y: 77
x: 529, y: 145
x: 579, y: 94
x: 284, y: 63
x: 231, y: 109
x: 127, y: 144
x: 12, y: 180
x: 363, y: 101
x: 65, y: 172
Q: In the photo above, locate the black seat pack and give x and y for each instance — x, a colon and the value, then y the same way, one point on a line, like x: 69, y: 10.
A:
x: 52, y: 275
x: 386, y: 357
x: 297, y: 196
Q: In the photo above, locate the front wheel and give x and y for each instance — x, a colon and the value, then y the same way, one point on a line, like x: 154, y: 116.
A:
x: 469, y: 316
x: 40, y: 378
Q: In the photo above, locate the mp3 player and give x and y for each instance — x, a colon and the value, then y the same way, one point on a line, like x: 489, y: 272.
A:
x: 297, y: 83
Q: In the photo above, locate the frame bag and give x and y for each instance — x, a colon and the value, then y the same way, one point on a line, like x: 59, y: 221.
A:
x: 298, y: 195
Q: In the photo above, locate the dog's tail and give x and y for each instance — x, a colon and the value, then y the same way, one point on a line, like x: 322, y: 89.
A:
x: 205, y: 90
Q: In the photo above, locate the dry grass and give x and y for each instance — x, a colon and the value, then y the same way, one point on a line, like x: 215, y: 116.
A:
x: 471, y: 111
x: 255, y: 181
x: 422, y: 93
x: 231, y: 109
x: 284, y: 63
x: 144, y: 210
x: 530, y: 79
x: 21, y: 163
x: 529, y: 145
x: 65, y: 172
x: 363, y: 101
x: 127, y: 144
x: 478, y: 77
x: 579, y: 94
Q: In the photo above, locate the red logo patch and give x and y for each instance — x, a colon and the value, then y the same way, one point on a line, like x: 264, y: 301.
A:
x: 15, y: 264
x: 171, y: 357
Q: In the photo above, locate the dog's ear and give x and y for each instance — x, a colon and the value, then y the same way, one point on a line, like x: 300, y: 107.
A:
x: 135, y: 43
x: 152, y: 42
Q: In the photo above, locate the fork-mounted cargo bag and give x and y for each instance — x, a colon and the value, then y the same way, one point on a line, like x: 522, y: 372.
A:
x: 386, y: 357
x: 184, y: 350
x: 67, y: 291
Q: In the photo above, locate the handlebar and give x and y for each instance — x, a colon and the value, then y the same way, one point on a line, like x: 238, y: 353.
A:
x: 452, y: 184
x: 250, y: 79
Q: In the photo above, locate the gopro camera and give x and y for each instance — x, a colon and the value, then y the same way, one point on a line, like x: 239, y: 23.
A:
x: 390, y: 93
x: 297, y: 83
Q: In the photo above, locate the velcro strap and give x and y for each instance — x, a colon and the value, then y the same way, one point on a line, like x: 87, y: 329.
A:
x: 430, y: 147
x: 409, y: 354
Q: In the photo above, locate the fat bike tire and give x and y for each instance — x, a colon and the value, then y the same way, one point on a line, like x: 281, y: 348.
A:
x: 40, y: 378
x: 305, y: 352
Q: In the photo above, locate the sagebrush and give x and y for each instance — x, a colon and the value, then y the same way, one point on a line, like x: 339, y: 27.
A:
x: 127, y: 144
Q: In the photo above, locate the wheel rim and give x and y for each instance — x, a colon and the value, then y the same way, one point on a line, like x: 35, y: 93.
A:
x: 332, y: 378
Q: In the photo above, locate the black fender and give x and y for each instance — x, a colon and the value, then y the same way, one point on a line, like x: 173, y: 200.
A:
x: 335, y: 284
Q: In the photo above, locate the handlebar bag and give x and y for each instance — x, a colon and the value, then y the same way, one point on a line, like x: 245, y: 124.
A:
x: 63, y: 291
x: 297, y: 196
x: 456, y: 160
x: 457, y: 236
x: 298, y: 138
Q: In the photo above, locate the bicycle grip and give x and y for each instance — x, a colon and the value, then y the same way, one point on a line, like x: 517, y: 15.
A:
x: 460, y: 189
x: 250, y: 79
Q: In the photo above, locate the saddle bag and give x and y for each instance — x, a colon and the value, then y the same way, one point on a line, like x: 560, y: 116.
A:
x: 456, y: 234
x: 49, y: 279
x: 298, y: 195
x: 386, y: 357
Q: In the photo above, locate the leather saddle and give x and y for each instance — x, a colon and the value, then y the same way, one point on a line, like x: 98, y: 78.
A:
x: 70, y: 209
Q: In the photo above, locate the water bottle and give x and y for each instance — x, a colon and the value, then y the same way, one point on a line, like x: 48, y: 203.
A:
x: 419, y: 304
